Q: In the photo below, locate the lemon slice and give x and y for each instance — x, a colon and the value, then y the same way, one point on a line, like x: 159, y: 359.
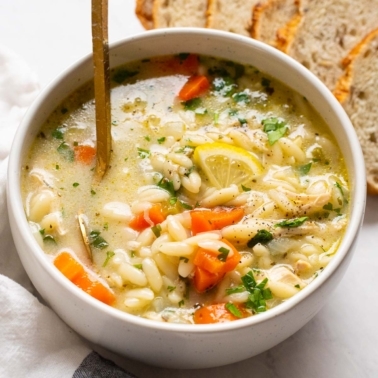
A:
x: 224, y: 164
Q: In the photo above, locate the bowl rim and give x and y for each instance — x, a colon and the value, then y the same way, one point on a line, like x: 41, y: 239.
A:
x: 15, y: 204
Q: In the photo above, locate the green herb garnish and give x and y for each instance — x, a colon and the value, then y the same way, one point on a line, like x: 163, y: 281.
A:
x: 97, y: 241
x: 75, y: 184
x: 65, y: 150
x: 291, y: 223
x: 161, y: 140
x: 262, y: 236
x: 166, y: 184
x: 304, y: 169
x: 171, y: 288
x: 274, y: 128
x: 122, y: 74
x: 241, y: 97
x: 109, y: 255
x: 192, y: 104
x: 49, y: 239
x: 258, y: 293
x: 156, y: 230
x: 236, y: 289
x: 233, y: 310
x: 245, y: 189
x: 143, y: 154
x: 186, y: 205
x: 223, y: 253
x: 58, y: 133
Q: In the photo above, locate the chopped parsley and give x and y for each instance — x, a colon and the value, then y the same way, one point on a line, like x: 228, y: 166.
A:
x: 156, y: 230
x: 143, y: 154
x: 235, y: 289
x: 65, y: 150
x: 223, y: 253
x: 241, y: 97
x: 161, y: 140
x: 58, y: 133
x: 185, y: 205
x: 75, y: 184
x: 122, y: 74
x: 258, y: 293
x: 274, y: 128
x: 97, y: 241
x: 304, y: 169
x: 245, y: 189
x: 166, y: 184
x: 109, y: 255
x: 291, y: 223
x: 233, y: 310
x: 192, y: 104
x: 262, y: 236
x: 171, y: 288
x: 338, y: 186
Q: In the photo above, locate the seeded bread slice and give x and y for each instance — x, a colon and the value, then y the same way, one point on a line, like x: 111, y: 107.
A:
x: 324, y: 33
x: 143, y: 10
x: 272, y: 19
x: 357, y: 91
x: 230, y: 15
x: 175, y: 13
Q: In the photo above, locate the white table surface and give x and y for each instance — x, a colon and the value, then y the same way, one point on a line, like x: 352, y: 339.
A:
x: 342, y: 340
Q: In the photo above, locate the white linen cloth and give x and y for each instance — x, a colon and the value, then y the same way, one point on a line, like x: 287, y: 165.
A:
x: 34, y: 342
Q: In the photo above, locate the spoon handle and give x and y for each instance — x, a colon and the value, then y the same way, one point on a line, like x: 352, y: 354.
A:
x: 101, y: 84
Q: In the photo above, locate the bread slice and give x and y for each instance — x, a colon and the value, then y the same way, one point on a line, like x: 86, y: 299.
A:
x: 175, y: 13
x: 230, y: 15
x: 143, y: 11
x: 272, y: 19
x: 357, y: 91
x: 325, y: 31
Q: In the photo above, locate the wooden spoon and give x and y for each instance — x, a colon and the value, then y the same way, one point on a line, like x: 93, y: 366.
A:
x: 102, y: 99
x: 101, y: 85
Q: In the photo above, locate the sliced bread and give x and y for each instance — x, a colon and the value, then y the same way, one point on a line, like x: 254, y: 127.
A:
x: 143, y: 10
x: 233, y: 16
x: 357, y: 91
x: 175, y: 13
x: 325, y: 32
x: 273, y: 18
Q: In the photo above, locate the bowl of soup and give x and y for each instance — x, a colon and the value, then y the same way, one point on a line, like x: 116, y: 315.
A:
x: 229, y: 213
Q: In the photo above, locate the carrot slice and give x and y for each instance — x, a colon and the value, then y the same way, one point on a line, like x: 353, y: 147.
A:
x: 69, y: 266
x: 84, y: 154
x: 194, y: 87
x: 155, y: 213
x: 216, y: 219
x: 217, y: 313
x: 75, y: 272
x: 209, y: 260
x: 204, y: 280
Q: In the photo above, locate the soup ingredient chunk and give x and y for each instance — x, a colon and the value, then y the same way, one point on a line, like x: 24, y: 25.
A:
x: 224, y: 164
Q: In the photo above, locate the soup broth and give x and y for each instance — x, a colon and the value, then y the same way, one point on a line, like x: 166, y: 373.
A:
x: 226, y: 195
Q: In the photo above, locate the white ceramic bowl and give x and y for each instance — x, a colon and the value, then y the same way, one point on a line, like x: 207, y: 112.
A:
x: 178, y: 345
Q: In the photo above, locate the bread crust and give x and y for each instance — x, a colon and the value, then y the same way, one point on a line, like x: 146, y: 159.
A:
x: 286, y: 34
x: 282, y: 34
x: 344, y: 91
x: 343, y: 85
x: 143, y: 11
